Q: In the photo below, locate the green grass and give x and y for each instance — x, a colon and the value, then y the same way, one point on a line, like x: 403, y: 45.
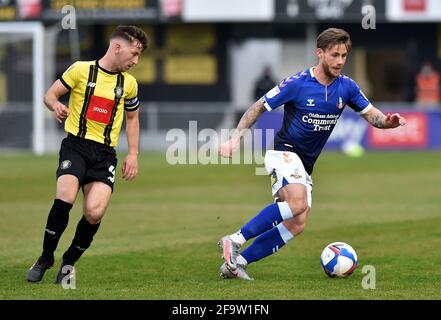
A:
x: 158, y: 238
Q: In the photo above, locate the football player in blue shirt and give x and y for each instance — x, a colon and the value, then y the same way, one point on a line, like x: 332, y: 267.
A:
x: 313, y: 101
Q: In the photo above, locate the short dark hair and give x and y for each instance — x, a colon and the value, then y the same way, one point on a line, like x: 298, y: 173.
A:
x: 333, y: 36
x: 130, y: 33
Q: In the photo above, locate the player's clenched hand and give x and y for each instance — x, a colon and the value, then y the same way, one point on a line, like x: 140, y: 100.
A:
x: 130, y: 167
x: 61, y: 112
x: 394, y: 120
x: 226, y: 149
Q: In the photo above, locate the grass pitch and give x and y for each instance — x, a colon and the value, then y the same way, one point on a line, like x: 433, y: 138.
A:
x: 158, y: 238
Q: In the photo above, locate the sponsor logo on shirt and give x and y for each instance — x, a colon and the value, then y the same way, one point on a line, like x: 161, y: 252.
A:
x: 321, y: 122
x: 310, y: 103
x: 100, y: 109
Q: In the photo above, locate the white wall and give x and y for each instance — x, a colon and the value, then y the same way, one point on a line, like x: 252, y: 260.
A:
x: 294, y: 58
x: 228, y: 10
x: 250, y: 57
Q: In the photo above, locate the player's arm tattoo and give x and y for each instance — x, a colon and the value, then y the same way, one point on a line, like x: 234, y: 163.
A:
x: 249, y: 117
x: 376, y: 118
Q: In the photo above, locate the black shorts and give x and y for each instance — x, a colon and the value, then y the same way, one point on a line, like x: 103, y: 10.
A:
x: 87, y: 160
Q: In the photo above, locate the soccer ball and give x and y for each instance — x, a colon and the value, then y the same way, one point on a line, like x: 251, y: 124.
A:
x: 338, y: 259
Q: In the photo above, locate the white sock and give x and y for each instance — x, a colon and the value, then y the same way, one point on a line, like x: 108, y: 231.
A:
x: 285, y: 234
x: 238, y: 238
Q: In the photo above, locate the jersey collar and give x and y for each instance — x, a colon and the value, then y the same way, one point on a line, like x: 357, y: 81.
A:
x: 106, y: 71
x: 311, y: 73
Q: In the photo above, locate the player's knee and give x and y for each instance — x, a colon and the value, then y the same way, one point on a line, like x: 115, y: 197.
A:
x: 298, y: 228
x: 93, y: 219
x: 295, y: 227
x: 94, y: 213
x: 298, y: 206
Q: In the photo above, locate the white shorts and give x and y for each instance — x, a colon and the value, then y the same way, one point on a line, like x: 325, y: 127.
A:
x: 285, y: 167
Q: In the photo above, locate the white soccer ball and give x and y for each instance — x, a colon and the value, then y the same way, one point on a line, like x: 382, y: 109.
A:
x: 338, y: 259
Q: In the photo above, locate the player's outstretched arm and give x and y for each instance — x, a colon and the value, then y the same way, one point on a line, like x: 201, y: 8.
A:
x: 51, y: 100
x: 247, y: 121
x: 379, y: 120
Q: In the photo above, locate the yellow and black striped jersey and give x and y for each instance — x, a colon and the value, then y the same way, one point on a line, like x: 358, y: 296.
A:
x: 97, y: 100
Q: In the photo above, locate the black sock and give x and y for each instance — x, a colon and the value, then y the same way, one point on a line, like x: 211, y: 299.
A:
x: 82, y: 240
x: 56, y: 224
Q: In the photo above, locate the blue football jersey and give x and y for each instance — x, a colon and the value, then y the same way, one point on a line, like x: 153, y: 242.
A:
x: 311, y: 111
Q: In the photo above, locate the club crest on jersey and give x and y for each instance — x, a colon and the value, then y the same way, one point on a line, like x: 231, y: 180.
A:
x: 340, y: 103
x: 118, y: 92
x: 310, y: 103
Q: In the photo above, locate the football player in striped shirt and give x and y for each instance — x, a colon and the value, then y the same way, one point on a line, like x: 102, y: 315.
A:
x: 101, y: 93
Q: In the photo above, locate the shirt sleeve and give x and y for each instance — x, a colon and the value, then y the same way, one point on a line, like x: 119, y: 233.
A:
x: 131, y: 102
x: 358, y: 101
x: 70, y: 77
x: 282, y: 93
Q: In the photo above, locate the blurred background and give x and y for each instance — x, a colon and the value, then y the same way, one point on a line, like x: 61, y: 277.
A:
x: 209, y: 60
